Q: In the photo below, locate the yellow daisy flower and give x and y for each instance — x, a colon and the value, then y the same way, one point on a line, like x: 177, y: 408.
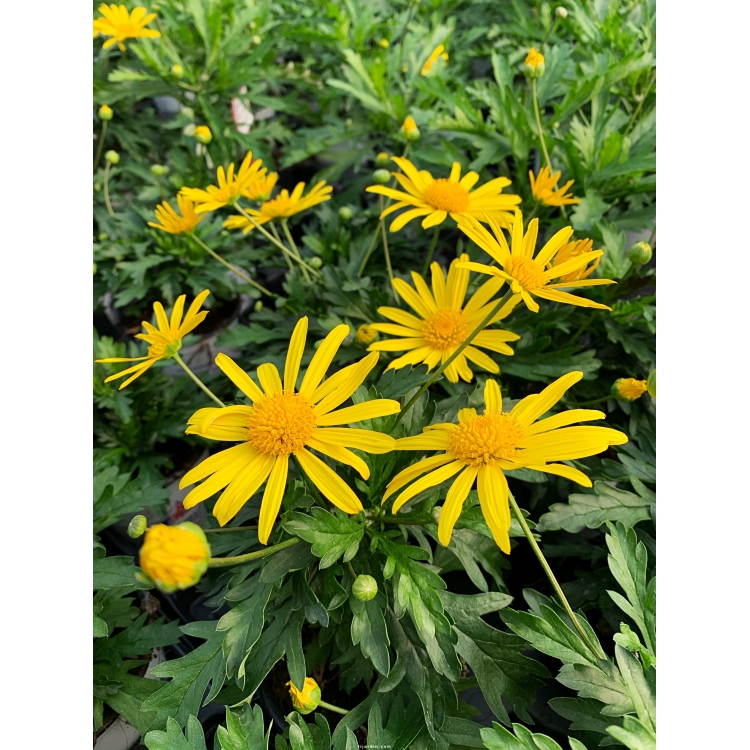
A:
x: 174, y: 223
x: 261, y: 189
x: 284, y: 422
x: 175, y: 557
x: 231, y: 186
x: 444, y: 323
x: 527, y: 274
x: 117, y: 23
x: 435, y: 199
x: 437, y: 53
x: 574, y: 250
x: 481, y: 447
x: 165, y: 340
x: 282, y: 206
x: 544, y: 190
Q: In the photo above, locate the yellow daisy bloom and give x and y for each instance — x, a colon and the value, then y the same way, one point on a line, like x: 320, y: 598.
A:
x: 284, y: 422
x: 174, y: 223
x: 231, y: 186
x: 481, y: 447
x: 526, y: 274
x: 435, y: 199
x: 544, y: 190
x: 437, y: 53
x: 444, y: 323
x: 175, y: 557
x: 117, y: 23
x: 574, y: 250
x: 261, y: 189
x: 166, y: 339
x: 629, y: 389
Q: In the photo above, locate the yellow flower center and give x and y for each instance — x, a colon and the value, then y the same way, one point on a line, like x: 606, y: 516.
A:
x: 486, y: 439
x: 445, y: 195
x: 164, y: 351
x: 445, y: 329
x: 527, y: 272
x: 280, y: 424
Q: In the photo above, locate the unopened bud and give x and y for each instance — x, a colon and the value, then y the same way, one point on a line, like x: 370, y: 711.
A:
x: 188, y: 113
x: 94, y: 269
x: 651, y: 384
x: 175, y: 557
x: 410, y: 129
x: 382, y: 159
x: 640, y: 253
x: 256, y: 40
x: 366, y: 335
x: 178, y: 71
x: 258, y: 306
x: 561, y: 12
x: 384, y: 43
x: 103, y: 237
x: 315, y: 262
x: 533, y: 65
x: 307, y: 699
x: 628, y: 389
x: 203, y: 135
x: 105, y: 112
x: 189, y: 129
x: 159, y: 170
x: 365, y: 588
x: 381, y: 176
x: 435, y: 513
x: 112, y: 157
x: 137, y: 526
x: 345, y: 213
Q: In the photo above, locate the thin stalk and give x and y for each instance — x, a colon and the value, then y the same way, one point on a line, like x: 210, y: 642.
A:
x: 106, y: 190
x: 100, y: 147
x: 495, y: 310
x: 539, y: 122
x: 204, y: 388
x: 231, y: 267
x: 226, y: 562
x: 551, y: 575
x: 549, y: 31
x: 431, y: 250
x: 595, y: 401
x: 293, y: 245
x: 335, y: 709
x: 278, y: 237
x: 229, y: 528
x: 405, y: 522
x: 350, y: 568
x: 369, y: 251
x: 385, y: 244
x: 645, y: 93
x: 403, y: 37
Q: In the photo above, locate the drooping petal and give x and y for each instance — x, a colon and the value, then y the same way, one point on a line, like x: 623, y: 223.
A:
x: 492, y: 488
x: 339, y: 453
x: 243, y: 487
x: 561, y: 470
x: 216, y: 462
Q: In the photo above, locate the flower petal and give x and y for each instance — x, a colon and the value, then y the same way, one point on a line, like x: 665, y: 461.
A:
x: 330, y: 484
x: 294, y: 355
x: 379, y: 407
x: 322, y: 359
x: 243, y: 487
x: 454, y: 502
x: 269, y: 506
x: 438, y: 476
x: 492, y: 488
x: 239, y: 377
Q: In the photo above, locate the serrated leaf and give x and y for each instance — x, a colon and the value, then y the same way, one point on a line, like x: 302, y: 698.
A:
x: 244, y: 730
x: 634, y: 734
x: 112, y: 572
x: 498, y: 737
x: 173, y: 739
x: 395, y: 384
x: 331, y: 536
x: 287, y: 560
x: 369, y: 631
x: 590, y: 209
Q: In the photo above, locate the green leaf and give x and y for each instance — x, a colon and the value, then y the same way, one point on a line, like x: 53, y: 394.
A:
x: 331, y: 535
x: 498, y: 737
x: 458, y: 732
x: 100, y: 627
x: 395, y: 384
x: 584, y: 714
x: 244, y: 731
x: 369, y: 631
x: 634, y: 734
x: 640, y: 685
x: 116, y: 495
x: 112, y: 572
x: 603, y: 683
x: 125, y: 693
x: 292, y: 558
x: 173, y: 739
x: 590, y: 209
x: 404, y: 721
x: 136, y: 640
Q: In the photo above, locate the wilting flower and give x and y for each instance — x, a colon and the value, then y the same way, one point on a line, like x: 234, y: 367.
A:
x: 533, y: 65
x: 231, y: 186
x: 629, y: 389
x: 117, y: 23
x: 437, y: 53
x: 261, y: 189
x: 444, y: 323
x: 525, y: 273
x: 284, y: 422
x: 174, y: 223
x: 436, y: 199
x: 307, y: 699
x: 574, y: 250
x: 282, y: 206
x: 481, y: 447
x: 366, y: 334
x: 175, y: 557
x: 543, y: 188
x: 166, y: 340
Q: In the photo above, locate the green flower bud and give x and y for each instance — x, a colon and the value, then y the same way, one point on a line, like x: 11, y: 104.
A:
x: 640, y: 253
x: 651, y: 384
x: 435, y: 513
x: 178, y: 71
x: 561, y: 12
x: 365, y: 588
x: 189, y: 130
x: 112, y: 157
x: 345, y: 213
x: 533, y: 65
x: 137, y: 526
x: 256, y: 40
x: 103, y: 237
x: 382, y: 159
x: 187, y: 113
x: 307, y: 699
x: 381, y: 176
x: 315, y: 262
x: 202, y: 134
x: 258, y: 306
x: 159, y: 170
x: 94, y: 269
x: 105, y: 112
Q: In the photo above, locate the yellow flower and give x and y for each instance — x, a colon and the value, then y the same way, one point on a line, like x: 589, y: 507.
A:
x: 384, y: 43
x: 481, y: 447
x: 527, y: 274
x: 284, y: 422
x: 436, y: 199
x: 166, y: 340
x: 175, y: 557
x: 231, y: 186
x: 444, y: 323
x: 282, y: 206
x: 307, y: 699
x: 261, y: 189
x: 437, y: 53
x: 629, y: 389
x: 572, y: 250
x: 366, y: 334
x: 173, y: 222
x: 116, y: 22
x: 202, y: 134
x: 543, y: 189
x: 533, y: 65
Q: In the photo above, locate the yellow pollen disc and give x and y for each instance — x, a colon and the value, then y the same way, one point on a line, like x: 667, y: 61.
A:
x: 486, y: 439
x: 280, y: 424
x: 527, y: 272
x: 445, y: 329
x: 445, y: 195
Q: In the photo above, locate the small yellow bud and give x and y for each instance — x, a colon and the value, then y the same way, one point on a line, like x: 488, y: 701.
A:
x: 640, y: 253
x: 384, y: 43
x: 112, y: 157
x: 651, y: 384
x: 533, y: 65
x: 178, y: 71
x: 103, y: 237
x: 561, y: 12
x: 366, y: 334
x: 365, y: 588
x: 203, y: 135
x: 105, y: 112
x: 410, y: 129
x: 381, y: 176
x: 628, y: 389
x: 382, y: 159
x: 159, y: 170
x: 404, y: 69
x: 345, y: 213
x: 253, y: 25
x: 175, y: 557
x: 137, y: 526
x: 256, y: 40
x: 307, y: 699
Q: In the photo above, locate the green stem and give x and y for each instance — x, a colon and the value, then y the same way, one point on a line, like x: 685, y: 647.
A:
x: 231, y: 267
x: 551, y: 576
x: 579, y: 404
x: 350, y: 568
x: 205, y: 389
x: 645, y: 93
x: 431, y: 250
x: 549, y: 31
x: 277, y: 236
x: 106, y: 190
x: 385, y: 243
x: 335, y: 709
x: 226, y: 562
x: 403, y: 37
x: 100, y: 147
x: 293, y: 245
x: 229, y: 528
x: 369, y: 250
x: 539, y: 122
x: 406, y: 522
x: 495, y: 310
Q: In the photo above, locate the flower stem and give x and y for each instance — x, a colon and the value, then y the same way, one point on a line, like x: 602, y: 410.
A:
x: 549, y: 31
x: 229, y: 528
x: 106, y: 190
x: 231, y: 267
x: 351, y: 570
x: 539, y: 122
x: 403, y: 37
x: 226, y: 562
x: 100, y: 147
x: 276, y: 235
x: 431, y: 250
x: 293, y: 245
x: 540, y: 556
x: 205, y: 389
x: 369, y: 251
x: 385, y: 243
x: 405, y: 521
x: 335, y: 709
x: 495, y: 310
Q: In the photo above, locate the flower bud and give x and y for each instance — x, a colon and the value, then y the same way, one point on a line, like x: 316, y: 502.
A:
x: 188, y: 113
x: 366, y: 334
x: 105, y: 112
x: 175, y: 557
x: 203, y: 135
x: 307, y: 699
x: 382, y: 159
x: 103, y: 237
x: 651, y: 384
x: 137, y: 526
x: 435, y: 513
x: 384, y: 43
x: 533, y: 65
x: 159, y: 170
x: 315, y: 262
x: 561, y: 12
x: 640, y: 253
x: 628, y: 389
x: 178, y: 71
x: 189, y: 129
x: 94, y: 269
x: 381, y: 176
x: 345, y: 213
x: 258, y: 306
x: 365, y: 588
x: 410, y: 129
x: 256, y: 40
x: 112, y: 157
